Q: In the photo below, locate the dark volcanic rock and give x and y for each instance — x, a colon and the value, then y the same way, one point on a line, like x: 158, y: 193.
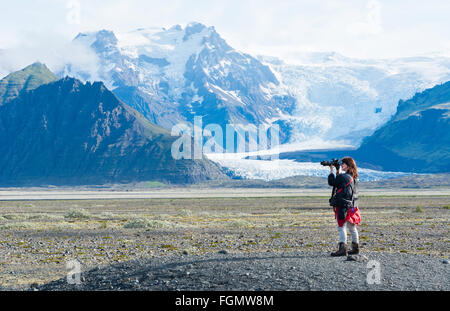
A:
x: 314, y: 271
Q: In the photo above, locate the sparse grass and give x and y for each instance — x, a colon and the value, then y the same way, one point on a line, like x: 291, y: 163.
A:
x: 154, y: 184
x: 45, y: 216
x: 276, y: 236
x: 78, y: 214
x: 169, y: 247
x: 144, y: 223
x: 66, y: 226
x: 14, y: 217
x: 185, y: 213
x: 240, y: 223
x: 17, y: 226
x: 108, y: 216
x: 283, y: 211
x: 419, y: 209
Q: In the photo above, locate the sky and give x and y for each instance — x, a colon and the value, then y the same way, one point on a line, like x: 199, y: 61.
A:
x: 354, y: 28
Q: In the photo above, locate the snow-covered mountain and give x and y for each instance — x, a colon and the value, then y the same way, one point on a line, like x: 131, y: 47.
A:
x: 172, y: 74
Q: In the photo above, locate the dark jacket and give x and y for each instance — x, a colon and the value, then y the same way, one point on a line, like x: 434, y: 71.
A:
x: 346, y: 195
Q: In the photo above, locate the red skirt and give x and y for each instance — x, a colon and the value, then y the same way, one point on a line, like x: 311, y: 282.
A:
x: 353, y: 217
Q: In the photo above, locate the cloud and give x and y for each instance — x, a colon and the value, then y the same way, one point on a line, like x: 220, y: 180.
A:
x: 52, y: 49
x: 74, y: 12
x: 371, y: 25
x: 355, y: 28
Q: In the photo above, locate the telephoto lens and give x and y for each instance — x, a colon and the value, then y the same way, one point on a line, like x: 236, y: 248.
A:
x: 334, y: 162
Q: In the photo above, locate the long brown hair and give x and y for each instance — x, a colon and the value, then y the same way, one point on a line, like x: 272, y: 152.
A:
x: 352, y: 168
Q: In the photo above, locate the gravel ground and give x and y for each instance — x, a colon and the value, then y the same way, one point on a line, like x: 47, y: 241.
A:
x: 38, y: 238
x: 265, y: 271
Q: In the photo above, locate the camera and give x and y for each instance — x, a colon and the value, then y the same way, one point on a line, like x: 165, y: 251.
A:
x: 335, y: 162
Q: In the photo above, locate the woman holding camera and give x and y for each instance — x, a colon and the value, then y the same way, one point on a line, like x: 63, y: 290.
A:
x: 345, y: 204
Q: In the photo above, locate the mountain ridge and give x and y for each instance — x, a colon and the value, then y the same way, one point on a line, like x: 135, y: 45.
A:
x: 69, y: 132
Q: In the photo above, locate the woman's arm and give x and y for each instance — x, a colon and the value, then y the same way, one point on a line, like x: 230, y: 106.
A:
x: 332, y: 180
x: 331, y: 177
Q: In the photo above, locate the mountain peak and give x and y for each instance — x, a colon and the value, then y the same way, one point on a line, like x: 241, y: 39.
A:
x: 176, y: 27
x: 97, y: 39
x: 106, y: 36
x: 194, y: 28
x: 36, y: 65
x: 35, y: 68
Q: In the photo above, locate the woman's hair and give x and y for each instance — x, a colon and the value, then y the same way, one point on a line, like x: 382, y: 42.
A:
x: 352, y: 168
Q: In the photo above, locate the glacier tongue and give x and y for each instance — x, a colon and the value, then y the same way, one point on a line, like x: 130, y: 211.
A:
x: 245, y: 165
x: 278, y: 169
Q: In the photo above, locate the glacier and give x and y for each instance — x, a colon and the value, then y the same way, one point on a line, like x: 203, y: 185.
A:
x: 345, y: 98
x: 247, y: 165
x: 279, y: 169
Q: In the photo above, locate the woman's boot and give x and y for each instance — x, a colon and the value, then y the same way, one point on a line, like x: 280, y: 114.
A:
x: 342, y: 250
x: 355, y: 249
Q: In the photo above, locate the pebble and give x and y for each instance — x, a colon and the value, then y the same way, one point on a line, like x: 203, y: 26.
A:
x: 357, y: 258
x: 223, y: 251
x: 445, y: 261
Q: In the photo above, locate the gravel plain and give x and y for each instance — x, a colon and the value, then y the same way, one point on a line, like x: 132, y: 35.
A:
x: 285, y: 237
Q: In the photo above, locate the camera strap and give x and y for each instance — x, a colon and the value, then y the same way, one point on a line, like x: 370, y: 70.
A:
x: 340, y: 190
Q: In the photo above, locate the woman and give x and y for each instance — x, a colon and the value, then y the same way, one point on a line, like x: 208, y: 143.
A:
x: 346, y: 205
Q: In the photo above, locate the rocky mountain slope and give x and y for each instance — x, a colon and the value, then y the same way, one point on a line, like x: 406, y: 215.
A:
x: 417, y: 138
x: 67, y: 132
